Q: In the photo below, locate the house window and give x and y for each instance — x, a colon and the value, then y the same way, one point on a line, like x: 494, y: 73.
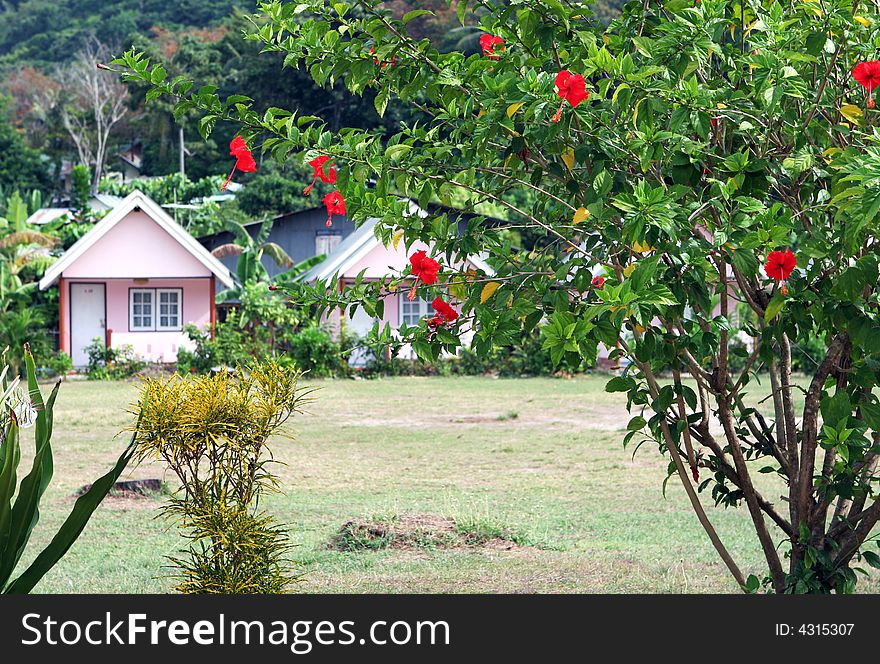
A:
x: 412, y: 311
x: 169, y: 308
x: 151, y: 309
x: 326, y: 242
x: 141, y: 314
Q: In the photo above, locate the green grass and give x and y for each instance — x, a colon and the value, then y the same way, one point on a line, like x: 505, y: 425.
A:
x: 538, y: 462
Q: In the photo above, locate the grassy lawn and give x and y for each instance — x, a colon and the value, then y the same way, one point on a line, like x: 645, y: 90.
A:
x: 537, y: 460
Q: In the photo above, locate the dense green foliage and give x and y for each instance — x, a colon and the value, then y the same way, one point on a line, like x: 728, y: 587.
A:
x: 20, y: 166
x: 47, y: 31
x: 25, y: 313
x: 112, y: 363
x: 308, y: 347
x: 715, y: 133
x: 201, y: 37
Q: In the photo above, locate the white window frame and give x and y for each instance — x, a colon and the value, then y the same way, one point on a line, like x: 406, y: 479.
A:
x: 155, y: 312
x: 323, y: 237
x: 141, y: 328
x: 169, y: 328
x: 424, y: 309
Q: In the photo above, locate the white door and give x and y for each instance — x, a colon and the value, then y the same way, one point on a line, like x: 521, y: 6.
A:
x: 360, y: 325
x: 87, y: 319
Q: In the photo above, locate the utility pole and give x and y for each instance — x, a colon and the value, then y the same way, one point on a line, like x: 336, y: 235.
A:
x: 182, y: 154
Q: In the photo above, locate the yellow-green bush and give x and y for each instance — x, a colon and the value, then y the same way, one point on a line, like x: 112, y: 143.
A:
x: 214, y: 433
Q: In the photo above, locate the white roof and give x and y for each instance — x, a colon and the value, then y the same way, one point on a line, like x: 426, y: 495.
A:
x: 46, y: 215
x: 104, y: 201
x: 137, y: 200
x: 356, y: 247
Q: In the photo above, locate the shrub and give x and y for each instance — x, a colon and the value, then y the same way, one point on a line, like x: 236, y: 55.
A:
x: 56, y: 364
x: 525, y: 356
x: 312, y: 350
x: 226, y: 347
x: 20, y: 409
x: 214, y: 433
x: 108, y: 363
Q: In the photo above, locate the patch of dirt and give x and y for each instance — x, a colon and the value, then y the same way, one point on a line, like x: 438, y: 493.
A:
x: 602, y: 419
x: 129, y: 501
x: 130, y: 490
x: 412, y: 532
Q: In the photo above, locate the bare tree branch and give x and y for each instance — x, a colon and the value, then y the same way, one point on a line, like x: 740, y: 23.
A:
x: 93, y: 103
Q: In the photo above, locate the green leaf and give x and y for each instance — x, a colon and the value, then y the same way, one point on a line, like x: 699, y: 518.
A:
x: 644, y: 273
x: 871, y: 414
x: 836, y: 409
x: 72, y: 527
x: 25, y: 511
x: 664, y: 399
x: 415, y: 13
x: 774, y: 307
x: 753, y: 584
x: 636, y: 424
x: 620, y: 384
x: 381, y: 101
x: 461, y: 10
x: 871, y: 558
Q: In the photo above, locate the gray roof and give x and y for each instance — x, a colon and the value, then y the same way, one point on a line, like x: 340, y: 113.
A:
x: 355, y: 247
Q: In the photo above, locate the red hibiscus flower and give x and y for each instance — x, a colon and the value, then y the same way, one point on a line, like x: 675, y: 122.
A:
x: 571, y: 88
x: 489, y: 43
x: 244, y: 160
x: 335, y: 204
x: 377, y: 61
x: 868, y: 75
x: 445, y: 312
x: 424, y: 269
x: 237, y: 145
x: 317, y: 165
x: 780, y: 264
x: 598, y: 282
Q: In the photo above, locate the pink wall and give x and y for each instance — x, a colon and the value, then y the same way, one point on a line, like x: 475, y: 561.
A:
x: 152, y: 346
x: 380, y: 262
x: 137, y: 247
x: 392, y: 310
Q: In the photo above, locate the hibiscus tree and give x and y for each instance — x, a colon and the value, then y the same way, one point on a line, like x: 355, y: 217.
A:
x: 710, y: 177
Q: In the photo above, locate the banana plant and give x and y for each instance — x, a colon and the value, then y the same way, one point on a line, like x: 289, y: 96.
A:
x: 250, y: 251
x: 20, y: 510
x: 22, y: 247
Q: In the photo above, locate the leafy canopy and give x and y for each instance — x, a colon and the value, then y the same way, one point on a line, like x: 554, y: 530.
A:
x: 714, y: 133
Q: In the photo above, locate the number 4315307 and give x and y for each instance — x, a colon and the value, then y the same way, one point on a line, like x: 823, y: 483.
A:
x: 815, y: 629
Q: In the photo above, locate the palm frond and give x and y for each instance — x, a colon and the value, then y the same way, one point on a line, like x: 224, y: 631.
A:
x: 226, y: 250
x: 277, y: 254
x: 290, y: 275
x: 27, y: 237
x: 239, y: 231
x: 265, y: 230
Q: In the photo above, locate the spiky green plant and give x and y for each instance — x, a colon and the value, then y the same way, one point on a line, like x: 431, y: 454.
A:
x: 213, y: 432
x: 20, y: 503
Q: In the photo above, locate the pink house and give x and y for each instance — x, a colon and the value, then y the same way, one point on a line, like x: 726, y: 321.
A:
x: 363, y: 252
x: 136, y: 278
